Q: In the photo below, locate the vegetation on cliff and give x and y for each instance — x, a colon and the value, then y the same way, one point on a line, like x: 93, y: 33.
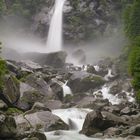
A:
x: 132, y: 31
x: 2, y: 71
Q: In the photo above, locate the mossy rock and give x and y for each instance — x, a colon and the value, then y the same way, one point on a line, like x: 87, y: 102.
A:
x: 13, y: 111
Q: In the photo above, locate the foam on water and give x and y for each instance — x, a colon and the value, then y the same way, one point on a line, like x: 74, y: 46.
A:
x: 66, y: 89
x: 109, y: 75
x: 76, y: 115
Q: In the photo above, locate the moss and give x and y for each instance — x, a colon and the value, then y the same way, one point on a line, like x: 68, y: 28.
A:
x: 138, y: 96
x: 68, y: 98
x: 95, y: 79
x: 3, y: 71
x: 13, y: 111
x: 23, y: 76
x: 16, y: 81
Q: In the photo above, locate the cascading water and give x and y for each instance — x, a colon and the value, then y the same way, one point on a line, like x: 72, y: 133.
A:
x: 54, y: 40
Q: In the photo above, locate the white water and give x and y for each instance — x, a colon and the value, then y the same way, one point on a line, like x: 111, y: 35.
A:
x: 54, y: 40
x: 76, y: 115
x: 109, y: 75
x: 66, y: 89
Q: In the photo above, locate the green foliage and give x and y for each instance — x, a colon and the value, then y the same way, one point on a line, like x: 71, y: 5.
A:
x: 138, y: 96
x: 132, y: 30
x: 3, y: 70
x: 24, y: 8
x: 2, y: 7
x: 13, y: 111
x: 132, y: 20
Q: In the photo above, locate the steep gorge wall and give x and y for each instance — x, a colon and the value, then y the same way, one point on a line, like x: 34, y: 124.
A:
x: 83, y: 19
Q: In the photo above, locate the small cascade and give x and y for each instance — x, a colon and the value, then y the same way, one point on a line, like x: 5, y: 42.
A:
x: 66, y: 89
x: 73, y: 116
x: 54, y: 40
x: 109, y: 75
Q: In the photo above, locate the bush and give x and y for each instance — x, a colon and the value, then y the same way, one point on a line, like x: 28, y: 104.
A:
x: 3, y: 70
x: 132, y: 20
x: 138, y: 96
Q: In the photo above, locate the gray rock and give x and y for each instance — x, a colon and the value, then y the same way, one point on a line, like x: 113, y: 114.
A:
x: 54, y: 104
x: 3, y: 106
x: 134, y: 130
x: 7, y: 127
x: 83, y: 81
x: 55, y: 59
x: 30, y: 135
x: 112, y: 132
x: 128, y: 111
x: 40, y: 120
x: 11, y: 89
x: 57, y: 90
x: 100, y: 121
x: 116, y: 87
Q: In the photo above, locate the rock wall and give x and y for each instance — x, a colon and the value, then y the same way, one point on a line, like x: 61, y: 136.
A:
x: 83, y: 19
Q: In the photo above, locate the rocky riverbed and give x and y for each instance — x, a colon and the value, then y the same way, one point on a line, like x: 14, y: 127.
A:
x: 66, y: 102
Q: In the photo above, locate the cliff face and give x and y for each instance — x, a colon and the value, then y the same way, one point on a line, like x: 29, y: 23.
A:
x: 83, y: 20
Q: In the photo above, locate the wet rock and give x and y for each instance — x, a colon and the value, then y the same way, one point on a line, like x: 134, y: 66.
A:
x: 128, y: 111
x: 55, y: 59
x: 97, y: 135
x: 92, y: 103
x: 40, y: 120
x: 115, y: 88
x: 31, y: 135
x: 100, y: 121
x: 54, y: 104
x: 3, y: 105
x: 39, y: 106
x: 134, y: 130
x: 38, y: 83
x: 7, y: 127
x: 112, y: 131
x: 91, y: 69
x: 82, y: 82
x: 57, y: 90
x: 29, y: 98
x: 11, y: 89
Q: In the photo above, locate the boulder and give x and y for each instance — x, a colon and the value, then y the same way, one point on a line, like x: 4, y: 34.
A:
x: 82, y: 81
x: 40, y: 120
x: 55, y: 59
x: 115, y: 88
x: 112, y: 132
x: 57, y: 90
x: 128, y: 111
x: 37, y: 107
x: 100, y: 121
x: 37, y: 82
x: 31, y: 135
x: 134, y: 130
x: 3, y: 105
x: 29, y: 98
x: 7, y: 127
x: 54, y: 104
x: 11, y: 89
x: 92, y: 103
x: 91, y: 69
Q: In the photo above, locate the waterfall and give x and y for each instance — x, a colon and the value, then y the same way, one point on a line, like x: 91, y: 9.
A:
x: 54, y: 40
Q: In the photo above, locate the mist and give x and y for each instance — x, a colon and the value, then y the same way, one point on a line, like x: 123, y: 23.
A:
x: 94, y: 51
x: 16, y: 35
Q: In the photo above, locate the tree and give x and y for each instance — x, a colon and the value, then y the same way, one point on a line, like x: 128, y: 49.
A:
x: 132, y: 20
